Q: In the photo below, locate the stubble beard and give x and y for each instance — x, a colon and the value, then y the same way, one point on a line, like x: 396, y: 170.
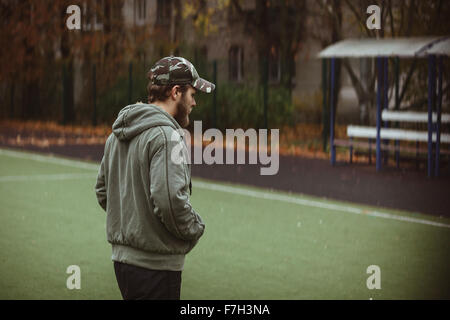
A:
x: 182, y: 115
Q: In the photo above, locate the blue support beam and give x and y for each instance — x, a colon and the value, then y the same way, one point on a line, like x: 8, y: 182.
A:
x: 332, y: 112
x: 431, y: 100
x: 438, y: 122
x: 397, y: 105
x: 379, y: 92
x: 325, y: 79
x: 386, y: 102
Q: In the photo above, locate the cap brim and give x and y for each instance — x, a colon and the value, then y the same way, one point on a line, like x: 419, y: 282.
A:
x: 204, y: 86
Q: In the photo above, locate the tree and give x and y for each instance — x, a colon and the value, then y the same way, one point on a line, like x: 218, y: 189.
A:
x: 37, y: 44
x: 327, y: 28
x: 276, y: 24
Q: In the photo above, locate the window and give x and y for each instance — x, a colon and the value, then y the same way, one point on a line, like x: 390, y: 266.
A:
x: 236, y: 63
x: 93, y: 12
x: 163, y: 12
x: 140, y: 7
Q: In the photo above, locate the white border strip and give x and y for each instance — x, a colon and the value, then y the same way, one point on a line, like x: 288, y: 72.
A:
x: 47, y: 177
x: 240, y: 191
x: 50, y: 159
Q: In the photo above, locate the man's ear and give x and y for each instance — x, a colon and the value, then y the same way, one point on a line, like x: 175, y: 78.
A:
x: 175, y: 92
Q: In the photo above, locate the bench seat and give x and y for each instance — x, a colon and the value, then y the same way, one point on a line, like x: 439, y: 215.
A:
x: 393, y: 134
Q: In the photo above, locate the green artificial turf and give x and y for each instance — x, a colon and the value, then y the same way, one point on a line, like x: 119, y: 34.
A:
x: 253, y: 248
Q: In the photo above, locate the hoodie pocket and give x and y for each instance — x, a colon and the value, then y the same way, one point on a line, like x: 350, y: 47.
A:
x: 186, y: 165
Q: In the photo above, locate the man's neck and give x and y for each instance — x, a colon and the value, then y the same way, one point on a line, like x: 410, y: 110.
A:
x: 165, y: 106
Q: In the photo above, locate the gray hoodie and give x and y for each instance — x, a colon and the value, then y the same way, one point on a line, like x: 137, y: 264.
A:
x: 150, y: 221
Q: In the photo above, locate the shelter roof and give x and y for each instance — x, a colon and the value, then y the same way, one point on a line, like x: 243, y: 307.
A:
x: 392, y: 47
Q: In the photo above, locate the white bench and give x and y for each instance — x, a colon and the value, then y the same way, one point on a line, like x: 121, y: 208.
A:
x: 396, y: 134
x: 410, y: 116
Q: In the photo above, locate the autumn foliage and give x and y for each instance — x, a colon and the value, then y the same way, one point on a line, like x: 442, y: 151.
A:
x: 39, y: 55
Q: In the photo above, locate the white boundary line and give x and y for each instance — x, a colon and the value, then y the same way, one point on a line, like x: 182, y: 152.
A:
x: 50, y: 159
x: 243, y: 192
x: 47, y: 177
x: 315, y: 204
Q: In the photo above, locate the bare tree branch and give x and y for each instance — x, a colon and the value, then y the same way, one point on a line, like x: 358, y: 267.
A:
x: 410, y: 18
x: 408, y: 78
x: 358, y: 17
x: 391, y: 18
x: 356, y: 82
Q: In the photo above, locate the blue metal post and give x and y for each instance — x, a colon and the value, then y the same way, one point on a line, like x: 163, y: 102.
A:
x: 386, y: 102
x: 94, y: 95
x: 324, y: 103
x: 438, y: 122
x: 332, y: 117
x: 380, y: 79
x: 397, y: 106
x: 431, y: 96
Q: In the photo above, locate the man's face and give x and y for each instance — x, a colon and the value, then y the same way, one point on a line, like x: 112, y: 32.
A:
x: 184, y: 107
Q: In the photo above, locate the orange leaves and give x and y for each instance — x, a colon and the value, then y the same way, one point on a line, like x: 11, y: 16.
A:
x: 45, y: 134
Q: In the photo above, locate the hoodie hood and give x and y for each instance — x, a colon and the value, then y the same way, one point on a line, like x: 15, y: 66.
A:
x: 136, y: 118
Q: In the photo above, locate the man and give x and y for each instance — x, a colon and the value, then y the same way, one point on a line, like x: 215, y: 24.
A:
x: 150, y: 222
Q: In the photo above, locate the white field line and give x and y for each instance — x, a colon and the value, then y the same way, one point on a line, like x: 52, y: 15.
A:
x: 314, y: 204
x: 50, y: 159
x: 243, y: 192
x: 47, y: 177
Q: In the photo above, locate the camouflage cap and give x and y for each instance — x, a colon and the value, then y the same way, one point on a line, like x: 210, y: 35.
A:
x: 177, y: 70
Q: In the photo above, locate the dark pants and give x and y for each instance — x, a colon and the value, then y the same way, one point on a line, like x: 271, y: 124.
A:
x: 136, y: 283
